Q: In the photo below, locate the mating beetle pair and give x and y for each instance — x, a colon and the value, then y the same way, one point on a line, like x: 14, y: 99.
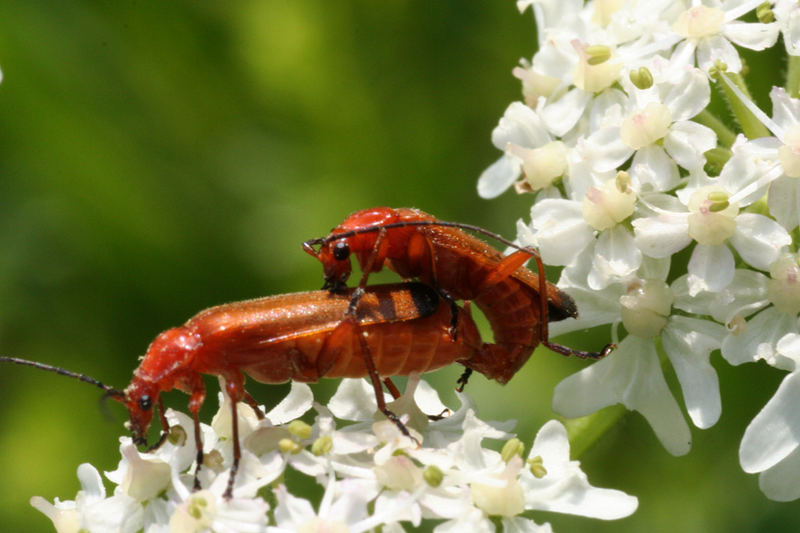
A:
x: 369, y: 331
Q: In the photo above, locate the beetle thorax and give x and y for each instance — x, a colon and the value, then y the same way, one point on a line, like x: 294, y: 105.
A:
x: 168, y: 357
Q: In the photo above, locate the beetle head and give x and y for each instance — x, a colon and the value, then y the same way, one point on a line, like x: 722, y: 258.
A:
x: 335, y: 258
x: 140, y: 398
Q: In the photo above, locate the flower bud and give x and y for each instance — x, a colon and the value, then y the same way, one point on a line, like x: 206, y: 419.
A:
x: 433, y: 476
x: 641, y: 78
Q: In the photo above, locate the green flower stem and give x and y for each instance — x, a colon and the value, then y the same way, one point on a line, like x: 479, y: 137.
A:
x: 585, y: 431
x: 751, y: 126
x: 725, y: 135
x: 793, y: 77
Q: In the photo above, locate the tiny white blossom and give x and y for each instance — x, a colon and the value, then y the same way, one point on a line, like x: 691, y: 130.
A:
x: 530, y: 151
x: 711, y: 29
x: 562, y: 229
x: 631, y: 375
x: 91, y: 510
x: 564, y: 488
x: 712, y: 218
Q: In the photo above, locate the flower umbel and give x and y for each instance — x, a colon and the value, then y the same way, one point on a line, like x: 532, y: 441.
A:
x: 372, y: 476
x: 653, y: 181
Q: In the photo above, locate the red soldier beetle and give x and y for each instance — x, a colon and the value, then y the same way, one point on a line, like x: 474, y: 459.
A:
x: 517, y: 303
x: 402, y: 328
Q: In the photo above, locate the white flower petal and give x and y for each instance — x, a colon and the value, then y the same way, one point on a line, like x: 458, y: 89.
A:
x: 745, y: 295
x: 616, y: 257
x: 64, y: 515
x: 759, y: 339
x: 606, y: 150
x: 297, y: 403
x: 561, y: 232
x: 752, y: 35
x: 520, y: 125
x: 518, y: 524
x: 146, y: 475
x: 560, y: 116
x: 653, y: 170
x: 714, y: 48
x: 785, y: 110
x: 788, y: 16
x: 779, y: 483
x: 751, y: 164
x: 661, y: 236
x: 687, y: 142
x: 596, y: 307
x: 498, y: 177
x: 759, y: 239
x: 91, y: 482
x: 711, y: 268
x: 608, y: 109
x: 784, y: 202
x: 354, y: 400
x: 688, y: 343
x: 630, y: 375
x: 565, y: 488
x: 688, y: 95
x: 789, y: 347
x: 427, y: 398
x: 775, y: 432
x: 551, y: 14
x: 683, y: 54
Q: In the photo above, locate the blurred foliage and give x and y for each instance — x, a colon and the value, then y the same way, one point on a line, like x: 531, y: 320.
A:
x: 157, y: 158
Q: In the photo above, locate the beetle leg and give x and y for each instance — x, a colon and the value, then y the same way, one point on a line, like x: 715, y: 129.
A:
x: 196, y: 400
x: 462, y: 381
x: 164, y: 427
x: 454, y: 310
x: 376, y: 386
x: 393, y: 390
x: 254, y: 404
x: 198, y: 442
x: 567, y: 351
x: 544, y: 313
x: 234, y: 386
x: 376, y: 256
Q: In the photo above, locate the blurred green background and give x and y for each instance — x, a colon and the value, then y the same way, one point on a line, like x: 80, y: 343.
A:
x: 157, y: 158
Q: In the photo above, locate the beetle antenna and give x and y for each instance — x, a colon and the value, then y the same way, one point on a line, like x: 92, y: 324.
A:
x: 111, y: 392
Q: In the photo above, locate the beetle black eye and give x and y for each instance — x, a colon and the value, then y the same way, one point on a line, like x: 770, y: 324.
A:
x: 341, y: 250
x: 145, y: 403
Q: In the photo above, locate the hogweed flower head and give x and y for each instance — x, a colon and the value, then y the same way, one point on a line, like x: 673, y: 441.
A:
x: 624, y: 90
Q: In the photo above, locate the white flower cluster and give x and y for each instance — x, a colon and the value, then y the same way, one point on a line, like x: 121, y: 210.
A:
x: 373, y: 476
x: 629, y: 167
